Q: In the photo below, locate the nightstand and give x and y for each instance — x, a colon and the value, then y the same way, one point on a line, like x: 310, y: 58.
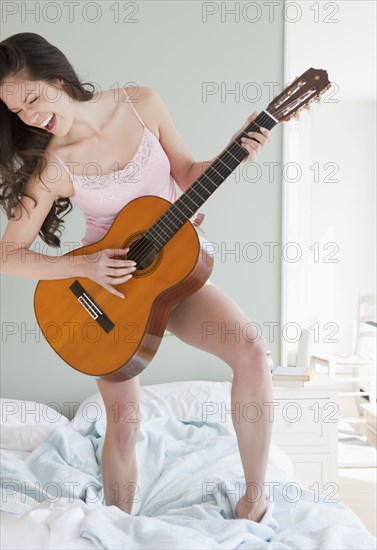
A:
x: 306, y: 429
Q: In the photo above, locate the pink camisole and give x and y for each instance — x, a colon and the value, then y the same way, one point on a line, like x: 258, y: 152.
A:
x: 101, y: 197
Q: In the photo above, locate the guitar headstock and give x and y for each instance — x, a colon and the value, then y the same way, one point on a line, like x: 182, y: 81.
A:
x: 306, y: 88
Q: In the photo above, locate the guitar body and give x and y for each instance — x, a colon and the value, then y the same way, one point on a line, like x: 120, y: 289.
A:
x: 100, y: 334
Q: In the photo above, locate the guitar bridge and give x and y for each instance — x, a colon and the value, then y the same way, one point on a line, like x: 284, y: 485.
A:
x: 91, y: 307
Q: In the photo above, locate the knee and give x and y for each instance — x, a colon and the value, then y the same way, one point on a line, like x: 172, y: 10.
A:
x: 253, y: 358
x: 123, y: 433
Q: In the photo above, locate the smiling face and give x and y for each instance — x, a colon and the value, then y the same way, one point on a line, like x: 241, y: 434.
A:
x: 35, y: 101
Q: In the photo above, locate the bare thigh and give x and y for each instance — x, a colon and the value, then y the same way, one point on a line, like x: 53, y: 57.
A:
x: 211, y: 321
x: 208, y: 320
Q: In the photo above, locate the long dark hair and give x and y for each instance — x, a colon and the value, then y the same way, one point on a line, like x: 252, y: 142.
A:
x: 22, y: 147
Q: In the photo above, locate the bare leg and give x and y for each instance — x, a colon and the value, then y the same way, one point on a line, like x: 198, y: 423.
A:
x: 119, y: 467
x: 211, y: 321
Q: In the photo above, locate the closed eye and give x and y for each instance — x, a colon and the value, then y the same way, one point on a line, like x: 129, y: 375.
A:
x: 16, y: 113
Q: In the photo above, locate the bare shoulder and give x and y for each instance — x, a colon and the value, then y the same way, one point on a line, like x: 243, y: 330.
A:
x: 156, y: 116
x: 141, y: 95
x: 46, y: 186
x: 149, y: 105
x: 53, y: 179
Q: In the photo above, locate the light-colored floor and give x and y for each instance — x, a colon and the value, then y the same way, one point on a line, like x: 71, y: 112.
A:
x: 357, y: 486
x: 357, y: 489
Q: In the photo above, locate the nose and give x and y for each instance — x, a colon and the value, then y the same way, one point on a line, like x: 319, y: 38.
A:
x: 32, y: 115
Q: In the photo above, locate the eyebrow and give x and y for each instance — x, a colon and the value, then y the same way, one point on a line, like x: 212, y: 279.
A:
x: 15, y: 108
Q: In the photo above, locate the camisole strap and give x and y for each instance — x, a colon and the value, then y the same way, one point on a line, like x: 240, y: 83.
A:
x: 132, y: 107
x: 60, y: 160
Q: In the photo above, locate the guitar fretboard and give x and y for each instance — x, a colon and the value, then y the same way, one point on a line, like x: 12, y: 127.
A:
x: 205, y: 185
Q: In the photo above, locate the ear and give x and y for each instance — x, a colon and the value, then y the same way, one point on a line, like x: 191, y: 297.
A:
x: 61, y: 84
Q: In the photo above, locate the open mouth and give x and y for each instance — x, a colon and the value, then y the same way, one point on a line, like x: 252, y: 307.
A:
x: 51, y: 124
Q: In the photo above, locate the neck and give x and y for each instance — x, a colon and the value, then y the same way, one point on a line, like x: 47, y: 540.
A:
x: 205, y: 185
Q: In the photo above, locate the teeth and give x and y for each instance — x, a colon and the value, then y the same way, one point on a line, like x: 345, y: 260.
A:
x: 47, y: 120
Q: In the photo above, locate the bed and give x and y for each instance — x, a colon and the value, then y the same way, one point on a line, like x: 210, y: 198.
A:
x: 190, y: 477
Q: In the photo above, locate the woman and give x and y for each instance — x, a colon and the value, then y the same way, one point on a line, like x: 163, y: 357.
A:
x: 47, y: 116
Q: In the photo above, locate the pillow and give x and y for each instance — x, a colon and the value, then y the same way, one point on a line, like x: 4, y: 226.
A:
x: 196, y: 400
x: 199, y: 400
x: 25, y: 424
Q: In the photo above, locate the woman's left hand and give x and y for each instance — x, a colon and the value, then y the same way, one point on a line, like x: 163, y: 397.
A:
x: 253, y: 147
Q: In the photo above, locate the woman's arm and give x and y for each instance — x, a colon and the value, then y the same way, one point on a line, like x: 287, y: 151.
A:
x: 16, y: 258
x: 183, y: 166
x: 20, y: 233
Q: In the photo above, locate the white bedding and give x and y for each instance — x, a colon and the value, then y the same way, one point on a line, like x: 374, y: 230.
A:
x: 178, y: 454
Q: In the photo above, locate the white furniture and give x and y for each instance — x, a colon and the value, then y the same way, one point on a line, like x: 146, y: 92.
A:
x: 361, y: 368
x: 370, y: 413
x: 301, y: 359
x: 306, y: 428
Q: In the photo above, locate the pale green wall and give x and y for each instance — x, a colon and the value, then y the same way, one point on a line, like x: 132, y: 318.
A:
x: 171, y: 50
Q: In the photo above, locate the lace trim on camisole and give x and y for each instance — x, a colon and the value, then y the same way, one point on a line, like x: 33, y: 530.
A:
x: 119, y: 176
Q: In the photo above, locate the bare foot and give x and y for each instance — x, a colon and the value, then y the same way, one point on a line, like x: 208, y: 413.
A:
x: 250, y: 510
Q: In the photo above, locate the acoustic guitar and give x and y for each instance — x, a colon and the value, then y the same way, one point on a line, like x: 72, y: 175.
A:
x: 100, y: 334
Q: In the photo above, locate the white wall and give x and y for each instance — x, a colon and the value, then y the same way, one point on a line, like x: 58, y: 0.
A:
x: 172, y: 49
x: 337, y: 138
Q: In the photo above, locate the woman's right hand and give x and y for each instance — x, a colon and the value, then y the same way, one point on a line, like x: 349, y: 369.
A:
x: 102, y: 268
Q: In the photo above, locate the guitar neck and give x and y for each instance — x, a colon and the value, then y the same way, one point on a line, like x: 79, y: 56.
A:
x: 205, y: 185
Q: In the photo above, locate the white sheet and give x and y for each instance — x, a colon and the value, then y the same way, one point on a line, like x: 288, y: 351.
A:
x: 58, y: 524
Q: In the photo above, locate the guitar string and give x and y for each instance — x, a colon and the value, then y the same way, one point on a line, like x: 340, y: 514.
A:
x: 156, y: 227
x: 191, y: 189
x: 148, y: 247
x: 142, y: 248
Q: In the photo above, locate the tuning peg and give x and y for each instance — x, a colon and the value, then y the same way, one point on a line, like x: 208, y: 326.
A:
x: 296, y: 114
x: 317, y: 99
x: 307, y: 106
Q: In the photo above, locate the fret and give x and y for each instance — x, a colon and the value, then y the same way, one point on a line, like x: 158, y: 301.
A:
x: 192, y: 188
x: 187, y: 196
x: 229, y: 168
x: 171, y: 221
x: 206, y: 184
x: 242, y: 149
x: 180, y: 205
x: 237, y: 154
x: 229, y: 153
x: 160, y: 223
x: 154, y: 239
x: 225, y: 164
x: 233, y: 161
x: 214, y: 183
x: 212, y: 167
x: 160, y: 226
x: 171, y: 211
x: 245, y: 132
x: 204, y: 189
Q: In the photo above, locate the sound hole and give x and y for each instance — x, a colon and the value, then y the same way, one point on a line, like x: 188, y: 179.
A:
x: 142, y: 252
